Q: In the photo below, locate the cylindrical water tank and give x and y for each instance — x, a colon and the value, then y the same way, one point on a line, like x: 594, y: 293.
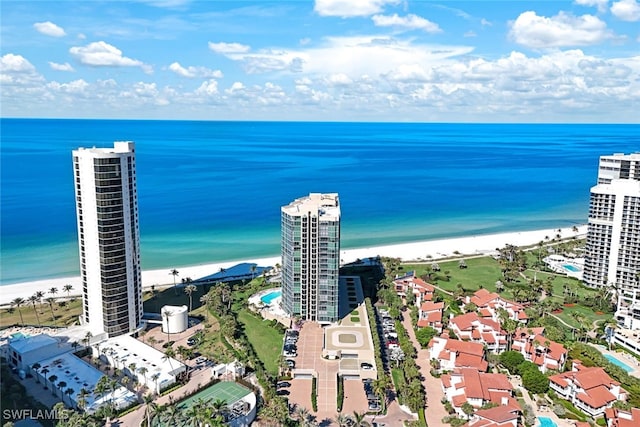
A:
x: 175, y: 319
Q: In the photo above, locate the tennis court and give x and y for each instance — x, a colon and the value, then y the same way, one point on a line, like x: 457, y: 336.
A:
x: 230, y: 392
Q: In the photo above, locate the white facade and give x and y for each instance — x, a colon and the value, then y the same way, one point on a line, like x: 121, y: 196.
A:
x: 24, y: 351
x: 130, y: 356
x: 108, y: 238
x: 310, y: 245
x: 175, y: 319
x: 612, y: 256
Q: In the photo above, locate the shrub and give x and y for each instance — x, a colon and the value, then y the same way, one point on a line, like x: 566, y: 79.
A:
x: 314, y: 394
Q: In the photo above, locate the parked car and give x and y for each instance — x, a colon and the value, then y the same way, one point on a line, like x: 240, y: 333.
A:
x: 366, y: 366
x: 290, y: 354
x: 291, y: 363
x: 283, y: 384
x: 283, y: 392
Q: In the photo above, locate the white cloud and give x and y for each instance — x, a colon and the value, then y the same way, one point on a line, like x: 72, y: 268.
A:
x: 49, y: 29
x: 193, y: 72
x: 61, y: 67
x: 227, y: 48
x: 351, y: 8
x: 352, y: 56
x: 76, y: 87
x: 208, y: 88
x: 15, y: 63
x: 561, y: 30
x: 600, y: 4
x: 410, y: 22
x: 102, y: 54
x: 626, y: 10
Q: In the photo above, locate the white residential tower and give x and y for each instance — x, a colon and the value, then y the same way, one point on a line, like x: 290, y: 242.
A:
x: 108, y: 238
x: 311, y: 257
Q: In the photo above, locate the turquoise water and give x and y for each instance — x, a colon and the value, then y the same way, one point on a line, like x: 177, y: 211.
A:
x: 618, y: 362
x: 571, y: 268
x: 268, y: 298
x: 212, y: 191
x: 547, y: 422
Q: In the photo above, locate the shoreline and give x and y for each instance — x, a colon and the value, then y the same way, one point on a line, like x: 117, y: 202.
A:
x: 423, y: 251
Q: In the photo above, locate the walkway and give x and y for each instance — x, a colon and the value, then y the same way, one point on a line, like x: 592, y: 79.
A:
x: 434, y: 409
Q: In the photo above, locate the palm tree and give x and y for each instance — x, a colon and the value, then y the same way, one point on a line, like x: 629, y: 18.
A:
x: 62, y: 385
x: 358, y: 419
x: 67, y: 288
x: 189, y: 290
x: 155, y: 377
x: 87, y: 338
x: 150, y: 408
x: 174, y: 273
x: 33, y: 299
x: 50, y: 301
x: 40, y: 295
x: 143, y: 370
x: 44, y: 372
x: 205, y: 300
x: 169, y: 353
x: 69, y: 392
x: 166, y: 314
x: 35, y: 368
x: 342, y: 420
x: 82, y: 398
x: 18, y: 302
x: 52, y: 380
x: 53, y: 291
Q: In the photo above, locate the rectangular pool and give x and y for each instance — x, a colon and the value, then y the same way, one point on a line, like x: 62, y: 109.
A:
x: 546, y: 422
x: 617, y: 362
x: 571, y: 268
x: 268, y: 298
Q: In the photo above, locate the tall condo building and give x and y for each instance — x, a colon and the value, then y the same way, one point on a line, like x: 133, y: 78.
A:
x: 108, y: 238
x: 612, y: 256
x: 311, y: 257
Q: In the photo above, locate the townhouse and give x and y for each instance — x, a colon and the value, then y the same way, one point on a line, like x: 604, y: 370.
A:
x: 591, y: 390
x: 430, y: 315
x: 485, y: 330
x: 422, y: 290
x: 468, y: 385
x: 489, y: 303
x: 498, y: 416
x: 449, y: 354
x: 535, y: 347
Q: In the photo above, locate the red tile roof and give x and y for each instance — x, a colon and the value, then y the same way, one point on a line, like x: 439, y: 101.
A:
x: 596, y: 397
x: 499, y: 414
x: 431, y: 306
x: 623, y: 418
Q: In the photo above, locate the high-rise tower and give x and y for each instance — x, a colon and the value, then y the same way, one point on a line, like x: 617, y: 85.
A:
x: 311, y: 257
x: 108, y: 238
x: 612, y: 256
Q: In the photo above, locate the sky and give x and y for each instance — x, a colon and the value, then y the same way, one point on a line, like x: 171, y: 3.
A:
x: 324, y: 60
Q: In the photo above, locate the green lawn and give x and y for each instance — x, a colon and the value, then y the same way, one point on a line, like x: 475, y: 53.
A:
x: 398, y: 379
x: 266, y: 340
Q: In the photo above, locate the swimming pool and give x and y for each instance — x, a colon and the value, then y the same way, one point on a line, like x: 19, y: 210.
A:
x: 268, y: 298
x: 546, y: 422
x: 571, y: 268
x: 617, y: 362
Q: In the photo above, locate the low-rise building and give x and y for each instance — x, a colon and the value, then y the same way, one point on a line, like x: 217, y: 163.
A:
x: 430, y: 315
x: 536, y: 348
x: 622, y: 417
x: 591, y: 390
x: 70, y: 377
x: 490, y: 303
x: 140, y: 361
x: 422, y: 290
x: 485, y: 330
x: 468, y: 385
x: 450, y: 354
x: 498, y: 416
x: 25, y: 350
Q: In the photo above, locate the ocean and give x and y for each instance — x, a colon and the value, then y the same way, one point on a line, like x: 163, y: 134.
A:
x: 212, y: 191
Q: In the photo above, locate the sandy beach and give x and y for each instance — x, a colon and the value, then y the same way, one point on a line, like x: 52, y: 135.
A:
x: 416, y: 251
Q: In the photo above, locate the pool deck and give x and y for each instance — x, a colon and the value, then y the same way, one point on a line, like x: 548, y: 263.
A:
x: 628, y: 360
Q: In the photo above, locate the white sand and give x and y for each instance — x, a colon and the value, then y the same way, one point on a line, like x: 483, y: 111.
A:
x: 420, y: 251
